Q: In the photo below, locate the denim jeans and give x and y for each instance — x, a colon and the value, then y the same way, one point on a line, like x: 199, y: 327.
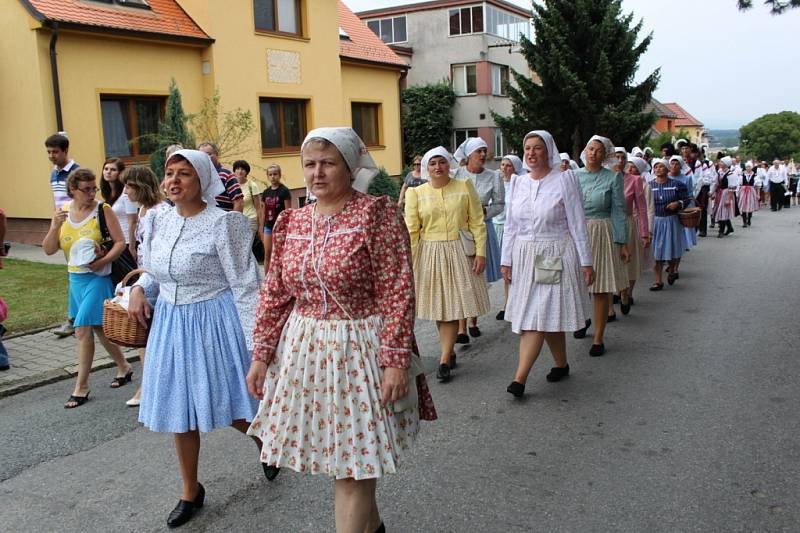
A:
x: 3, y: 352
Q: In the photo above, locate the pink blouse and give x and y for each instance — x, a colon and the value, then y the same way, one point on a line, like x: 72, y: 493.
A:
x: 634, y: 199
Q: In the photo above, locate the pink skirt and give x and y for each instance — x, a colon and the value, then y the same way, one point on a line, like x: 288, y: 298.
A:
x: 748, y: 199
x: 724, y: 208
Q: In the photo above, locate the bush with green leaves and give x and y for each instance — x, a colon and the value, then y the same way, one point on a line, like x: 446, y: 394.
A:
x: 427, y: 117
x: 384, y: 184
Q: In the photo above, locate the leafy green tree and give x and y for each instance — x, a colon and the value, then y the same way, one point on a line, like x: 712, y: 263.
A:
x: 776, y: 135
x: 585, y: 54
x: 666, y: 137
x: 776, y: 7
x: 427, y: 117
x: 172, y: 130
x: 384, y: 184
x: 230, y: 130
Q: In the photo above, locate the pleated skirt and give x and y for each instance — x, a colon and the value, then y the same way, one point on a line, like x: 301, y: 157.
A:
x: 748, y: 199
x: 609, y: 270
x: 725, y: 205
x: 637, y: 263
x: 195, y: 369
x: 554, y: 307
x: 492, y: 270
x: 321, y: 412
x: 446, y: 287
x: 669, y: 239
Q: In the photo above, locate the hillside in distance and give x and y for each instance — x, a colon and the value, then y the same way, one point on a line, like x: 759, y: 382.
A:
x: 724, y: 137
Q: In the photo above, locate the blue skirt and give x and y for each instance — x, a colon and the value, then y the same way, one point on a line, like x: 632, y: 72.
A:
x: 492, y: 253
x: 669, y: 239
x: 691, y: 238
x: 86, y: 294
x: 195, y: 369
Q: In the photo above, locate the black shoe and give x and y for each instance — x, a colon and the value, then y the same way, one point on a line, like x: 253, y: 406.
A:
x: 581, y: 333
x: 597, y: 350
x: 702, y: 233
x: 5, y: 367
x: 184, y: 510
x: 626, y: 308
x: 381, y: 529
x: 516, y: 388
x: 557, y: 374
x: 453, y: 362
x: 443, y: 374
x: 462, y: 338
x: 616, y: 299
x: 612, y: 318
x: 270, y: 471
x: 474, y: 332
x: 630, y: 301
x: 501, y: 315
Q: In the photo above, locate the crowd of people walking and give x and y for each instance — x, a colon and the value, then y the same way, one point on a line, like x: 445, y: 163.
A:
x: 318, y: 363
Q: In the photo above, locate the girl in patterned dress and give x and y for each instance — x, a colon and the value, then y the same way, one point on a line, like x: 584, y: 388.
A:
x: 669, y: 239
x: 340, y: 388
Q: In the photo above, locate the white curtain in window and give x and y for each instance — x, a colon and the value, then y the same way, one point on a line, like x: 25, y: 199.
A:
x: 115, y: 131
x: 287, y: 16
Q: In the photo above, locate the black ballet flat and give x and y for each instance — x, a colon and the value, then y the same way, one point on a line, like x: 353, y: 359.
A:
x: 474, y: 332
x: 184, y: 511
x: 453, y: 362
x: 626, y: 308
x: 581, y: 333
x: 501, y: 315
x: 558, y: 373
x: 516, y: 388
x: 443, y: 373
x: 657, y: 287
x: 462, y: 338
x: 597, y: 350
x: 270, y: 471
x: 612, y: 318
x: 616, y: 299
x: 381, y: 529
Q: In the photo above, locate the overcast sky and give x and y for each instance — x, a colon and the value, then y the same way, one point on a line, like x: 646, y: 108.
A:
x: 703, y: 47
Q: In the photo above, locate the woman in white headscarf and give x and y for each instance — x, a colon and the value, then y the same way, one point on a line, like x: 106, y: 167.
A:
x: 491, y: 191
x: 546, y: 258
x: 638, y: 225
x: 342, y: 391
x: 724, y: 197
x: 510, y: 166
x: 603, y: 195
x: 566, y: 162
x: 448, y: 266
x: 203, y: 274
x: 748, y: 197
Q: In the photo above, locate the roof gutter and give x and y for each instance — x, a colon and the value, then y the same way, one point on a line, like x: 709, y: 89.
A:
x: 54, y: 75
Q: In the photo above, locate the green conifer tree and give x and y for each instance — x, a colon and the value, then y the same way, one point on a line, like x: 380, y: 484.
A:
x: 585, y: 55
x: 384, y: 184
x: 172, y: 130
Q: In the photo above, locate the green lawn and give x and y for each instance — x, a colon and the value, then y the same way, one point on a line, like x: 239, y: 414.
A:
x: 36, y: 294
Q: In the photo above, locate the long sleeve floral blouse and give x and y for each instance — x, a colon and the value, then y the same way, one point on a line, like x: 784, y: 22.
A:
x: 363, y: 256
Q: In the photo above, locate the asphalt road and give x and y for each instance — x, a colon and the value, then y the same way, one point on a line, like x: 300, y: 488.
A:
x: 689, y: 423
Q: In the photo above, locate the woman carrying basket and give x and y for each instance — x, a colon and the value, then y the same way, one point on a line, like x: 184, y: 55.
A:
x: 669, y: 239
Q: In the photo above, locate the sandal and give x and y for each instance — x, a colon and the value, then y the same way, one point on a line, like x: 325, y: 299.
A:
x: 118, y: 381
x: 657, y: 287
x: 77, y: 400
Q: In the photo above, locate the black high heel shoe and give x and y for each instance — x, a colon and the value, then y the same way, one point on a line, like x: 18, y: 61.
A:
x: 184, y: 511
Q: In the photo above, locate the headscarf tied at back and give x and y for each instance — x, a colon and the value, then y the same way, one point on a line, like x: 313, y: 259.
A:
x: 640, y: 164
x: 210, y: 182
x: 727, y: 161
x: 611, y: 157
x: 362, y: 167
x: 516, y: 162
x: 553, y: 155
x: 469, y: 146
x: 440, y: 151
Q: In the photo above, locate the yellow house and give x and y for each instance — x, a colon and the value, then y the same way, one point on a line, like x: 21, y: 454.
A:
x: 100, y: 70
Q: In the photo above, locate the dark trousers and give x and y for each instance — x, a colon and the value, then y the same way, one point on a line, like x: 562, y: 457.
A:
x: 747, y: 218
x: 702, y: 202
x: 776, y: 198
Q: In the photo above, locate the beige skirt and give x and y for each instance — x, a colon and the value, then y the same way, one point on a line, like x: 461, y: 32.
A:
x: 447, y: 289
x: 636, y: 265
x: 609, y: 270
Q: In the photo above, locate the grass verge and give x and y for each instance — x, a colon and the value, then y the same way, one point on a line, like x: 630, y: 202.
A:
x: 36, y: 294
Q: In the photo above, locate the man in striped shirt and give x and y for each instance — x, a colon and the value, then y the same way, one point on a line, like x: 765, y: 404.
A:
x: 233, y: 198
x: 58, y: 153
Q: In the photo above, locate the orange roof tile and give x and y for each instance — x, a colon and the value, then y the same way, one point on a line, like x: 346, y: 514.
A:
x: 165, y: 17
x: 683, y: 116
x: 362, y: 44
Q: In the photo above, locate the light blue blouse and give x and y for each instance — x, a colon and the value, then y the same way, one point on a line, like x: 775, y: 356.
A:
x: 603, y: 195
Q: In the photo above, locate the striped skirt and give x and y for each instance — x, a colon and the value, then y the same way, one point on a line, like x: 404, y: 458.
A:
x: 748, y: 199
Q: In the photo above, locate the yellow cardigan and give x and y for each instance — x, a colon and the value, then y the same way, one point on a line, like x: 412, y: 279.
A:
x: 438, y: 214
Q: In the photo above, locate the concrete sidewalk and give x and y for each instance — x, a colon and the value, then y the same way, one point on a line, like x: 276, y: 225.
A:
x: 41, y: 358
x: 29, y: 252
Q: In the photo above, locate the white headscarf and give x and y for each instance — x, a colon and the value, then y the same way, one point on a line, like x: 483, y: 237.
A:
x: 620, y: 149
x: 469, y: 146
x: 553, y: 155
x: 647, y: 150
x: 679, y: 143
x: 611, y: 157
x: 640, y: 164
x: 658, y: 161
x: 210, y: 183
x: 362, y: 167
x: 727, y: 161
x: 564, y: 156
x: 430, y: 154
x: 516, y: 161
x: 637, y: 152
x: 573, y: 165
x: 677, y: 158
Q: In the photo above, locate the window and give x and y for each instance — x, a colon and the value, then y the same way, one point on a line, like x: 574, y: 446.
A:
x: 499, y: 77
x: 465, y: 80
x: 392, y: 30
x: 366, y: 122
x: 277, y: 16
x: 459, y: 136
x: 499, y: 144
x: 142, y: 4
x: 283, y: 124
x: 505, y: 25
x: 130, y: 124
x: 466, y: 20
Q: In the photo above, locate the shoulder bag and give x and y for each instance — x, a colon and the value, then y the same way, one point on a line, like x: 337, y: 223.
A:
x: 123, y: 264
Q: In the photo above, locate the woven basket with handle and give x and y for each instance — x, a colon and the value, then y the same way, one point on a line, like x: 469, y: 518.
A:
x: 690, y: 217
x: 119, y: 327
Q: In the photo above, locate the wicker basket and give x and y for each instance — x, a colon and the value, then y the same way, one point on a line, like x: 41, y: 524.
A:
x: 118, y: 327
x: 690, y: 217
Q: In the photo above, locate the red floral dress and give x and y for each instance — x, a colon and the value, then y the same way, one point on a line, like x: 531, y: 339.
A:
x: 332, y: 314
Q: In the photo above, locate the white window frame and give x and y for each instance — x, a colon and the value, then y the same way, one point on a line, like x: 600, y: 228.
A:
x: 391, y: 21
x: 460, y: 70
x: 497, y: 79
x: 514, y: 24
x: 499, y: 144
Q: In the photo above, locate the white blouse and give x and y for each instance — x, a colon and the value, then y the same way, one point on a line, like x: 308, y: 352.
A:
x: 546, y: 209
x: 194, y: 259
x: 123, y: 207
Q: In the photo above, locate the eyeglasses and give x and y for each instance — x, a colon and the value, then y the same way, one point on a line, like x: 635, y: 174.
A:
x: 88, y: 190
x: 417, y: 164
